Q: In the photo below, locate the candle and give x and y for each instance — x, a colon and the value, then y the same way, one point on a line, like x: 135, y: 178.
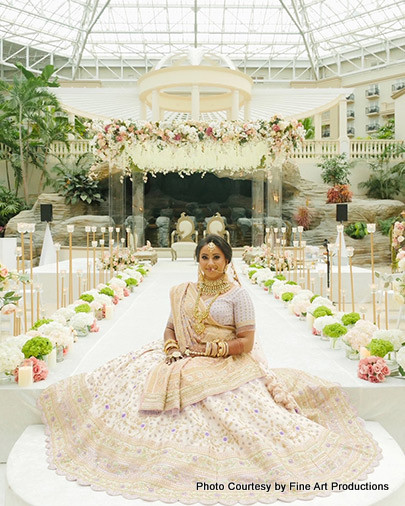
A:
x: 364, y: 352
x: 50, y: 359
x: 25, y: 378
x: 109, y: 311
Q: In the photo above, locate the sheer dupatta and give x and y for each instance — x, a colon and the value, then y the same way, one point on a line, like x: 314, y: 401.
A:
x: 192, y: 379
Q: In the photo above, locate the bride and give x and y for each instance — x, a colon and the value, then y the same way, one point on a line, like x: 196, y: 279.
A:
x: 200, y: 417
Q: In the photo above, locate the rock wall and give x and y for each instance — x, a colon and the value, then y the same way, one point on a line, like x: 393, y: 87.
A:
x: 62, y: 215
x: 299, y: 192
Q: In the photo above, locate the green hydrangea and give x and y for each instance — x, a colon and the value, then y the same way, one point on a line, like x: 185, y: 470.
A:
x: 350, y: 318
x: 87, y: 297
x: 37, y: 347
x: 269, y: 283
x: 314, y: 297
x: 142, y: 270
x: 131, y: 282
x: 334, y: 330
x: 380, y: 347
x: 321, y: 311
x: 280, y: 277
x: 38, y: 323
x: 83, y: 308
x: 291, y: 283
x: 252, y: 271
x: 107, y: 291
x: 287, y: 296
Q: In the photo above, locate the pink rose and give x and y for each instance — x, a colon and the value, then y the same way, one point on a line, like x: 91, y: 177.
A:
x: 126, y: 292
x: 39, y: 369
x: 94, y: 327
x: 3, y: 272
x: 8, y: 309
x: 115, y: 299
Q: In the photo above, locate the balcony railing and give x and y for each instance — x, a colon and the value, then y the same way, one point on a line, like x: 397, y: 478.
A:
x: 371, y: 148
x: 373, y: 92
x: 372, y: 127
x: 350, y: 131
x: 350, y: 114
x: 350, y: 98
x: 374, y: 109
x: 397, y: 86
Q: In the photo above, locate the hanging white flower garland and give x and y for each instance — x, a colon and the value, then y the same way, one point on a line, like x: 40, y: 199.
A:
x: 194, y: 146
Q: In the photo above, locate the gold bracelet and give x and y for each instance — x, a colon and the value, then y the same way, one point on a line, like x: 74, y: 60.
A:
x: 214, y: 349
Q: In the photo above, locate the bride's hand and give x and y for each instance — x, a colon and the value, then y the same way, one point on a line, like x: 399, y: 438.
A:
x: 173, y: 357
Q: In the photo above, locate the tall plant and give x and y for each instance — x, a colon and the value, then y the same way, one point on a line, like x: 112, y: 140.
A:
x: 27, y: 108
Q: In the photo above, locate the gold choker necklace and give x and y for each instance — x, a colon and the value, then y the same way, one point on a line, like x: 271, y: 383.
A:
x: 216, y: 287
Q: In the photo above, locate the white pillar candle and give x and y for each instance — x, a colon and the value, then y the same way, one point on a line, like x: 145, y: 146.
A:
x: 50, y: 359
x: 109, y: 310
x: 25, y: 378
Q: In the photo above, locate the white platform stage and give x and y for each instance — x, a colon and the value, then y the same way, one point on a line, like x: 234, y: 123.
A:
x: 286, y: 342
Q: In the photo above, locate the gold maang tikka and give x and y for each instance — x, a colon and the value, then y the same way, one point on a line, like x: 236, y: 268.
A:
x: 211, y: 246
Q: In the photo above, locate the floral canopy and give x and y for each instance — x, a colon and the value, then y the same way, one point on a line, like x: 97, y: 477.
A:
x: 237, y: 147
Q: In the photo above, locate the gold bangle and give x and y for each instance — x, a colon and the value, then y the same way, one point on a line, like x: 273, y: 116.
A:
x: 214, y: 350
x: 208, y: 347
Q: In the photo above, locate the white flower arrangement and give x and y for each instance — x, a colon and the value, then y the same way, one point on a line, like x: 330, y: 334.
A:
x: 322, y: 301
x: 117, y: 283
x: 10, y: 356
x: 360, y: 335
x: 303, y: 295
x: 66, y: 312
x: 59, y: 318
x: 58, y: 334
x: 96, y: 305
x: 102, y: 298
x: 400, y: 357
x: 81, y: 321
x: 133, y: 273
x: 294, y: 289
x: 262, y: 275
x: 394, y: 336
x: 300, y: 306
x: 322, y: 321
x: 278, y: 287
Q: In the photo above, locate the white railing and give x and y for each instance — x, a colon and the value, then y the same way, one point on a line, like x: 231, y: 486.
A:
x: 372, y: 148
x: 311, y: 149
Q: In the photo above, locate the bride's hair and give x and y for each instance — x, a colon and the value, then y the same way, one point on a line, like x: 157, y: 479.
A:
x: 218, y: 241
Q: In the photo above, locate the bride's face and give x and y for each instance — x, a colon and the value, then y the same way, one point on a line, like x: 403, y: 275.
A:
x: 212, y: 262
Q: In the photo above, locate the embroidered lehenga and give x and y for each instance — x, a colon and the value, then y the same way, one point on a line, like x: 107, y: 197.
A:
x: 144, y: 429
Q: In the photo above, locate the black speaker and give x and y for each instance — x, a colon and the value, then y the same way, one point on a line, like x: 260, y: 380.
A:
x: 46, y: 212
x: 341, y: 212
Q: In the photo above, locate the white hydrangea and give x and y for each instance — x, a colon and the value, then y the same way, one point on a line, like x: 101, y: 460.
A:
x: 303, y: 295
x: 117, y: 283
x: 321, y: 301
x: 10, y: 356
x: 277, y: 287
x: 58, y: 334
x: 322, y: 321
x: 394, y: 336
x: 262, y: 275
x: 66, y: 312
x: 102, y: 298
x: 81, y: 320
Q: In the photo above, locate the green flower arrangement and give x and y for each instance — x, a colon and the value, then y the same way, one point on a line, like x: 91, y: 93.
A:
x: 334, y: 330
x: 269, y: 283
x: 87, y: 297
x: 252, y: 270
x: 83, y: 308
x: 314, y: 297
x: 291, y: 283
x: 107, y: 291
x: 142, y: 270
x: 37, y: 347
x: 131, y: 282
x: 321, y: 311
x: 38, y: 323
x: 380, y: 347
x: 350, y: 318
x: 280, y: 277
x: 287, y: 296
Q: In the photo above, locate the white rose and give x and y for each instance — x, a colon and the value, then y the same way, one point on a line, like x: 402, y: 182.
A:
x: 401, y: 357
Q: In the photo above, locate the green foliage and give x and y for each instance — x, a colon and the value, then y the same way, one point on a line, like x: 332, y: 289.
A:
x: 380, y: 347
x: 41, y: 322
x: 386, y: 182
x: 87, y: 297
x: 291, y: 283
x: 269, y: 283
x: 356, y: 230
x: 385, y: 225
x: 83, y: 308
x: 321, y: 311
x: 280, y: 277
x: 387, y: 131
x: 143, y: 271
x: 74, y: 183
x: 37, y: 347
x: 107, y: 291
x: 10, y: 205
x: 308, y: 124
x: 336, y: 170
x: 334, y: 330
x: 131, y: 282
x: 350, y: 318
x: 314, y: 297
x: 287, y: 296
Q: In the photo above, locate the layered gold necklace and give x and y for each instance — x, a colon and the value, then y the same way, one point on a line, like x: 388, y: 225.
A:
x: 212, y: 288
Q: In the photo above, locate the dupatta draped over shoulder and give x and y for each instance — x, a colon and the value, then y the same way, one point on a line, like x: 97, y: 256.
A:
x: 192, y: 379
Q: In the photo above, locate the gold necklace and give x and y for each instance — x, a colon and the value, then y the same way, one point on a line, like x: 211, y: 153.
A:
x: 205, y: 287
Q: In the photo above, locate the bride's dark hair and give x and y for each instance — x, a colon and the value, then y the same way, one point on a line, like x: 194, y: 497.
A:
x: 218, y: 241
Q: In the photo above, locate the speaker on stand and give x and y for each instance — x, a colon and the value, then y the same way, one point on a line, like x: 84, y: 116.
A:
x: 341, y: 212
x: 46, y: 212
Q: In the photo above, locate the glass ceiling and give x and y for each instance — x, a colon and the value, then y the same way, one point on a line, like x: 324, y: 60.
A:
x: 288, y: 31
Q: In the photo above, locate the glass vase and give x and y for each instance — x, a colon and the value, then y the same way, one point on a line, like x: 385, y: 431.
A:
x: 352, y: 354
x: 59, y: 353
x: 391, y: 359
x: 6, y: 377
x: 335, y: 343
x: 82, y: 332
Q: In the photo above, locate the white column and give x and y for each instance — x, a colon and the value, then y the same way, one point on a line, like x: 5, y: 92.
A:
x: 318, y: 126
x: 228, y: 114
x: 344, y: 141
x: 155, y: 105
x: 143, y: 110
x: 195, y: 102
x: 246, y: 111
x: 235, y: 105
